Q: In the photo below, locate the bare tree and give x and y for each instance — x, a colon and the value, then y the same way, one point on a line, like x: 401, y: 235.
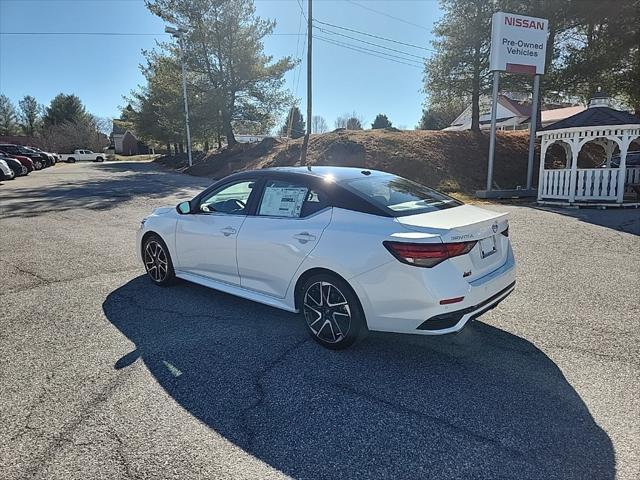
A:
x: 319, y: 124
x: 67, y: 136
x: 350, y: 121
x: 341, y: 121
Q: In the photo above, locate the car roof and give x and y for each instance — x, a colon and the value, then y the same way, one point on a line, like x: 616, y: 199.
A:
x: 338, y: 174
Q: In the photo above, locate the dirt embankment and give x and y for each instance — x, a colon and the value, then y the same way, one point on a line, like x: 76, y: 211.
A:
x: 448, y: 161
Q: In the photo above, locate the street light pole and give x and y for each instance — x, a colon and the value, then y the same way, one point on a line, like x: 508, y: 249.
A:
x: 178, y: 34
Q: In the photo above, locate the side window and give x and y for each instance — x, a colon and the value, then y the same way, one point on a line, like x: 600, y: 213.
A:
x: 289, y: 200
x: 231, y: 199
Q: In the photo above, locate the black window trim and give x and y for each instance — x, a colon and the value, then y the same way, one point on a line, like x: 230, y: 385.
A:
x: 337, y: 194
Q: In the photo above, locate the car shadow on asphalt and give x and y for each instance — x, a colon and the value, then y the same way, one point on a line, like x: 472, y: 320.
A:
x: 480, y: 404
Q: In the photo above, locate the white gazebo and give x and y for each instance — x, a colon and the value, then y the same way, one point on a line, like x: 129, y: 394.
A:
x: 606, y: 185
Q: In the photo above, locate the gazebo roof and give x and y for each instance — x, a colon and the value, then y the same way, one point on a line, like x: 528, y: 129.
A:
x: 595, y: 117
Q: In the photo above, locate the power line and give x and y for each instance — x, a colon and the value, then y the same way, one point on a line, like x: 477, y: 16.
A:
x: 302, y: 10
x: 389, y: 16
x: 86, y: 33
x: 374, y: 36
x: 296, y: 72
x: 370, y: 43
x: 367, y: 51
x: 115, y: 34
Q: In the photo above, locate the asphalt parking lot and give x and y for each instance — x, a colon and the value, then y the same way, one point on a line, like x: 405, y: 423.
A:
x: 105, y: 375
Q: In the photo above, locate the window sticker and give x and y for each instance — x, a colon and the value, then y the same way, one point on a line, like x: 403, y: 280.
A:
x: 282, y: 201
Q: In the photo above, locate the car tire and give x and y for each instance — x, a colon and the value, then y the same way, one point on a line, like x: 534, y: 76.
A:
x: 71, y: 160
x: 331, y: 311
x: 157, y: 261
x: 37, y: 164
x: 99, y: 159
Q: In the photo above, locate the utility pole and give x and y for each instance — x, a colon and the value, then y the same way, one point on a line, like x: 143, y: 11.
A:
x: 178, y: 33
x: 305, y: 145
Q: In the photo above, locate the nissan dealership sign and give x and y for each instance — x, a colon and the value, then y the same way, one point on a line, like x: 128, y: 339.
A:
x: 518, y: 43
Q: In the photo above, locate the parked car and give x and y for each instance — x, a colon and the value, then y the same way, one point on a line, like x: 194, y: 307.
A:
x: 26, y: 161
x: 39, y: 160
x: 5, y: 172
x: 633, y: 160
x: 52, y: 156
x: 349, y: 249
x: 48, y: 160
x: 18, y: 169
x: 80, y: 155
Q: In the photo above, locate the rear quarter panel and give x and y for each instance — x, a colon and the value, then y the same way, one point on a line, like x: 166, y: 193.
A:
x: 352, y: 245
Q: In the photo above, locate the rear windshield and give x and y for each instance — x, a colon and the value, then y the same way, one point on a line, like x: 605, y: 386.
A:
x: 399, y: 196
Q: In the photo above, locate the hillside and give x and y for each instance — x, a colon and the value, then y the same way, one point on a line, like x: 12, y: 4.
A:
x: 449, y: 161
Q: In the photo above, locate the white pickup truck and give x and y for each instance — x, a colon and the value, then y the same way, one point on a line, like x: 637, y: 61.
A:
x: 80, y: 155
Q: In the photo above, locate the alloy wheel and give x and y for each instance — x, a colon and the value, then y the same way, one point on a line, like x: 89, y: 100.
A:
x: 155, y: 261
x: 327, y: 312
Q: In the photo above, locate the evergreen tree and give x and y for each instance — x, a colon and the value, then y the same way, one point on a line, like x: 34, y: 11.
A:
x: 459, y: 67
x: 381, y: 121
x: 8, y: 117
x: 64, y: 108
x: 224, y: 48
x: 294, y: 127
x: 30, y: 112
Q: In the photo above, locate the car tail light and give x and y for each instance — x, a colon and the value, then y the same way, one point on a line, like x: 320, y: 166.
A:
x: 427, y: 254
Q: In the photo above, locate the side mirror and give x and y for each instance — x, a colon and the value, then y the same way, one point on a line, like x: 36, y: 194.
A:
x: 183, y: 208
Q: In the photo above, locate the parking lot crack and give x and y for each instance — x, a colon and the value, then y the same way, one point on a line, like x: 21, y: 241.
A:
x: 41, y: 279
x: 65, y: 435
x: 258, y: 381
x: 44, y: 282
x: 122, y: 458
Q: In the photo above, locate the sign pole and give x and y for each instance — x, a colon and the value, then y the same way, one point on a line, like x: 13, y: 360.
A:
x: 532, y: 129
x: 492, y: 138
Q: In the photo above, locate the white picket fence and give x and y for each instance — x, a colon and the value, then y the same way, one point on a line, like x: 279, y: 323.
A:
x: 591, y: 183
x: 633, y: 176
x: 555, y: 183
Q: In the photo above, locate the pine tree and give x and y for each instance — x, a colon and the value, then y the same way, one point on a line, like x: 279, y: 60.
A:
x: 381, y: 121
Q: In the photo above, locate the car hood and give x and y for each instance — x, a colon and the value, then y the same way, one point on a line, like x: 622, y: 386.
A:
x: 164, y: 210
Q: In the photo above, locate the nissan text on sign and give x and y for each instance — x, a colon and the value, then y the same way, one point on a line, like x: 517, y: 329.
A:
x: 518, y: 43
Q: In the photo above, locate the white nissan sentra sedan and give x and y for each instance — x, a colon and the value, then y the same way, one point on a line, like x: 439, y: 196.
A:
x: 350, y: 249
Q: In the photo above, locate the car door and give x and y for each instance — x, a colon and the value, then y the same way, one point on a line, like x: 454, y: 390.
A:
x: 288, y: 223
x: 206, y: 238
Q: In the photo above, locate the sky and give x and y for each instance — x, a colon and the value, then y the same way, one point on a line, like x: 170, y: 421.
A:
x: 101, y: 69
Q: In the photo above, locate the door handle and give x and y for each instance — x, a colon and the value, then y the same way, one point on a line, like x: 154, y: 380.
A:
x: 228, y: 231
x: 304, y: 237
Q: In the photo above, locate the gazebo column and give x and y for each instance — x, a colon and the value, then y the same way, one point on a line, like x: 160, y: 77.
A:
x: 622, y: 170
x: 567, y: 154
x: 543, y: 152
x: 575, y: 150
x: 609, y: 148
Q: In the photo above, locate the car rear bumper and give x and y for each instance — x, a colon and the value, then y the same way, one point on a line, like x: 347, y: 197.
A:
x: 407, y: 299
x: 454, y: 321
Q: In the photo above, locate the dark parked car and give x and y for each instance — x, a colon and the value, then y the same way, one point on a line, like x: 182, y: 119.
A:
x: 17, y: 167
x: 633, y: 160
x: 52, y: 156
x: 26, y: 161
x: 36, y: 157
